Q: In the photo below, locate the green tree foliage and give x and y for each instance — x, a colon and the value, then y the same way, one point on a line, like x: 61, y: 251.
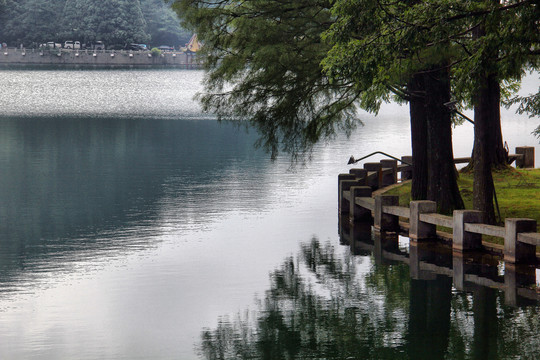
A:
x: 116, y: 22
x: 263, y: 60
x: 112, y: 21
x: 29, y: 21
x: 162, y: 24
x: 481, y: 43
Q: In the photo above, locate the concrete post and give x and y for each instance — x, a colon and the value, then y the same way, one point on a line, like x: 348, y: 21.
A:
x: 515, y: 277
x: 417, y: 253
x: 384, y: 242
x: 343, y: 205
x: 374, y: 183
x: 462, y: 240
x: 360, y: 234
x: 390, y: 178
x: 377, y: 248
x: 419, y: 230
x: 515, y: 251
x: 528, y: 157
x: 357, y: 212
x: 458, y: 272
x: 407, y: 174
x: 382, y: 221
x: 361, y: 176
x: 372, y: 166
x: 510, y: 286
x: 343, y: 229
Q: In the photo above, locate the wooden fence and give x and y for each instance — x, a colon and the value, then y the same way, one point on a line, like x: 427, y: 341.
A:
x: 357, y: 199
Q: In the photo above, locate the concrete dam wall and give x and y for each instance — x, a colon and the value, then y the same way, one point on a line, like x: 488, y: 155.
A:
x: 16, y: 56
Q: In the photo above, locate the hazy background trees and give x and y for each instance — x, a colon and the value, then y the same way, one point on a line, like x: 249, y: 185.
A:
x: 116, y: 22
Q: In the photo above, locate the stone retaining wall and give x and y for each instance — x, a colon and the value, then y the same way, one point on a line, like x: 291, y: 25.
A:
x: 14, y: 56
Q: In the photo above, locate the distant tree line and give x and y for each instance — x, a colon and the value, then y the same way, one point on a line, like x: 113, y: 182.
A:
x: 115, y: 22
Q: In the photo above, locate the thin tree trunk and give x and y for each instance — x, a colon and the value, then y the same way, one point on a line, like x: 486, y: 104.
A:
x: 417, y: 110
x: 499, y: 156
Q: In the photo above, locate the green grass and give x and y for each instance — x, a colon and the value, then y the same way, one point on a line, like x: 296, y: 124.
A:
x: 517, y: 190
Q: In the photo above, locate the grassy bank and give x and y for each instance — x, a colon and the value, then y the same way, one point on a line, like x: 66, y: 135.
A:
x: 518, y: 192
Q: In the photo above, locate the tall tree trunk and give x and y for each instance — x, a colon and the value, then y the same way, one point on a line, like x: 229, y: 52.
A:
x: 492, y: 104
x: 487, y: 128
x: 434, y: 172
x: 496, y: 152
x: 484, y: 119
x: 417, y: 111
x: 442, y: 174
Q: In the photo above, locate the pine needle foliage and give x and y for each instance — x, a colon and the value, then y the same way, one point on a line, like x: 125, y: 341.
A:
x: 263, y: 60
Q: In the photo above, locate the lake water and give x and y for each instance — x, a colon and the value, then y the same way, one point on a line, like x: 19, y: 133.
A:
x: 133, y: 226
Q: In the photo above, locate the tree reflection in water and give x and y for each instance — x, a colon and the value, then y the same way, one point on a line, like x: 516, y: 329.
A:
x: 329, y: 304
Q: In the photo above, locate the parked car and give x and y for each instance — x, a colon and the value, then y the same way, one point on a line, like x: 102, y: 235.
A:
x: 72, y: 44
x: 51, y: 45
x: 136, y: 47
x: 98, y: 45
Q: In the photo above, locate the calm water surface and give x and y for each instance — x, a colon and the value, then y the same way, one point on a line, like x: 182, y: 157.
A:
x: 133, y: 226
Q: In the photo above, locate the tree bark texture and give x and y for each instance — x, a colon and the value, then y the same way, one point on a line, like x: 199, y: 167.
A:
x: 417, y: 111
x: 434, y: 172
x: 487, y: 132
x: 442, y: 174
x: 496, y: 152
x: 485, y: 117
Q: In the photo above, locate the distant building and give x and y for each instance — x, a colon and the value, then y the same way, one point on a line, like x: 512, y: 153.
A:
x: 193, y: 44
